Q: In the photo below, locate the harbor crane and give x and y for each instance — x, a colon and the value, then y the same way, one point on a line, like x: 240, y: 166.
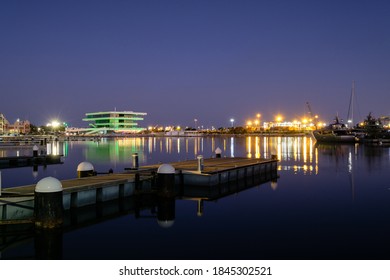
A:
x: 311, y: 116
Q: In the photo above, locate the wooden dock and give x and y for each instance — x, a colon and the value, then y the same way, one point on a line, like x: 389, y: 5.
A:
x: 95, y: 189
x: 215, y: 165
x: 216, y: 171
x: 23, y: 161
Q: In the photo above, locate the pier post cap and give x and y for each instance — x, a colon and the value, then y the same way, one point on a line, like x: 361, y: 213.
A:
x: 218, y: 150
x: 85, y: 166
x: 48, y: 185
x: 166, y: 169
x: 35, y: 148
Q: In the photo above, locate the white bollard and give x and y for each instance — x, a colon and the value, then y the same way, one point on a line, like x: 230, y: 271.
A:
x: 218, y: 152
x: 166, y: 179
x: 85, y: 169
x: 48, y: 203
x: 35, y: 151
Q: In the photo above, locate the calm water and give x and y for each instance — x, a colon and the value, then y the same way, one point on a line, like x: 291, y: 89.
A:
x: 330, y: 202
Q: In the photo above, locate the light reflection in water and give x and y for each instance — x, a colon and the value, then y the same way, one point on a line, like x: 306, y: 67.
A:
x: 294, y: 153
x: 53, y: 148
x: 232, y: 146
x: 178, y: 145
x: 249, y: 146
x: 300, y: 155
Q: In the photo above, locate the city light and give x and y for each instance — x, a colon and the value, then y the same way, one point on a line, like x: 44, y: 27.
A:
x: 54, y: 124
x: 279, y: 118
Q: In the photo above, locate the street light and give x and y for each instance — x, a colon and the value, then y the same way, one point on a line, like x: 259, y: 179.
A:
x: 257, y: 122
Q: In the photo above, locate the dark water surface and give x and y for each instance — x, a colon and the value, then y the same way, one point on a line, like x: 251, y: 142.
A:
x: 330, y: 202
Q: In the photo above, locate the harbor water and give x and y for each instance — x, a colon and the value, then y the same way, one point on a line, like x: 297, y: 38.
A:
x: 331, y: 201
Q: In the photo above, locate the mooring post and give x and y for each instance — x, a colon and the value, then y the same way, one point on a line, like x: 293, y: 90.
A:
x: 200, y: 163
x: 35, y: 151
x: 135, y: 160
x: 85, y: 169
x: 48, y: 203
x: 166, y: 179
x: 218, y: 152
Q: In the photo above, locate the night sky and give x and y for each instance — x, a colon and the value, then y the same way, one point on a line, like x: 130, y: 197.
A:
x: 180, y: 60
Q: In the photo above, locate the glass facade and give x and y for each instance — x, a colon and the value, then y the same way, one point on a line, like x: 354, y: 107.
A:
x: 114, y: 122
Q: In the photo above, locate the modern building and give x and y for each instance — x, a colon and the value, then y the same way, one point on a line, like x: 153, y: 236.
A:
x: 114, y: 122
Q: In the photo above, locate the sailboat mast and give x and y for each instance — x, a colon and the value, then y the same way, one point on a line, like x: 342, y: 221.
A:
x: 352, y: 98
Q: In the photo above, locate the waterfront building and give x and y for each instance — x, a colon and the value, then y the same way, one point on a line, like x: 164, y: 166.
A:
x: 114, y: 122
x: 18, y: 127
x: 3, y: 123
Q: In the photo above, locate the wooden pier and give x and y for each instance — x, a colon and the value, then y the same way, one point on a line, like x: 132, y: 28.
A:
x: 23, y: 161
x: 217, y: 171
x: 18, y: 202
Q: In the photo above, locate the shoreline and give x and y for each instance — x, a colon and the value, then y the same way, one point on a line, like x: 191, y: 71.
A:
x: 41, y: 140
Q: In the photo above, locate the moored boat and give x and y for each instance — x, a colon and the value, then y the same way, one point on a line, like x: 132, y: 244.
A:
x: 335, y: 132
x: 373, y: 131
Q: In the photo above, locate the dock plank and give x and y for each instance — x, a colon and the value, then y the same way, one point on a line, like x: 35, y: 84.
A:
x: 213, y: 165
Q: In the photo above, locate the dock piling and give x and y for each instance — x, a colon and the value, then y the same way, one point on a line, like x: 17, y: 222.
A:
x: 35, y: 151
x: 135, y: 160
x: 166, y: 179
x: 200, y: 163
x: 85, y: 169
x: 218, y: 152
x: 48, y: 205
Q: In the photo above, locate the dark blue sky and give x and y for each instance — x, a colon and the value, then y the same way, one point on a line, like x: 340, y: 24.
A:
x: 180, y: 60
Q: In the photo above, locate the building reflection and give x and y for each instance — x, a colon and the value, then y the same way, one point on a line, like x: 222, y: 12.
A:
x: 298, y: 154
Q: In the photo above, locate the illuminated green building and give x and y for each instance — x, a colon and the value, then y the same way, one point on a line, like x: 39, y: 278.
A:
x: 114, y: 122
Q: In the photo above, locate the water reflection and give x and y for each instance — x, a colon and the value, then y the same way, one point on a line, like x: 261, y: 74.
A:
x: 296, y: 149
x: 301, y: 155
x: 294, y: 153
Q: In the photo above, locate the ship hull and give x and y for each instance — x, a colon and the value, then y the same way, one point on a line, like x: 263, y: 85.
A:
x: 332, y: 137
